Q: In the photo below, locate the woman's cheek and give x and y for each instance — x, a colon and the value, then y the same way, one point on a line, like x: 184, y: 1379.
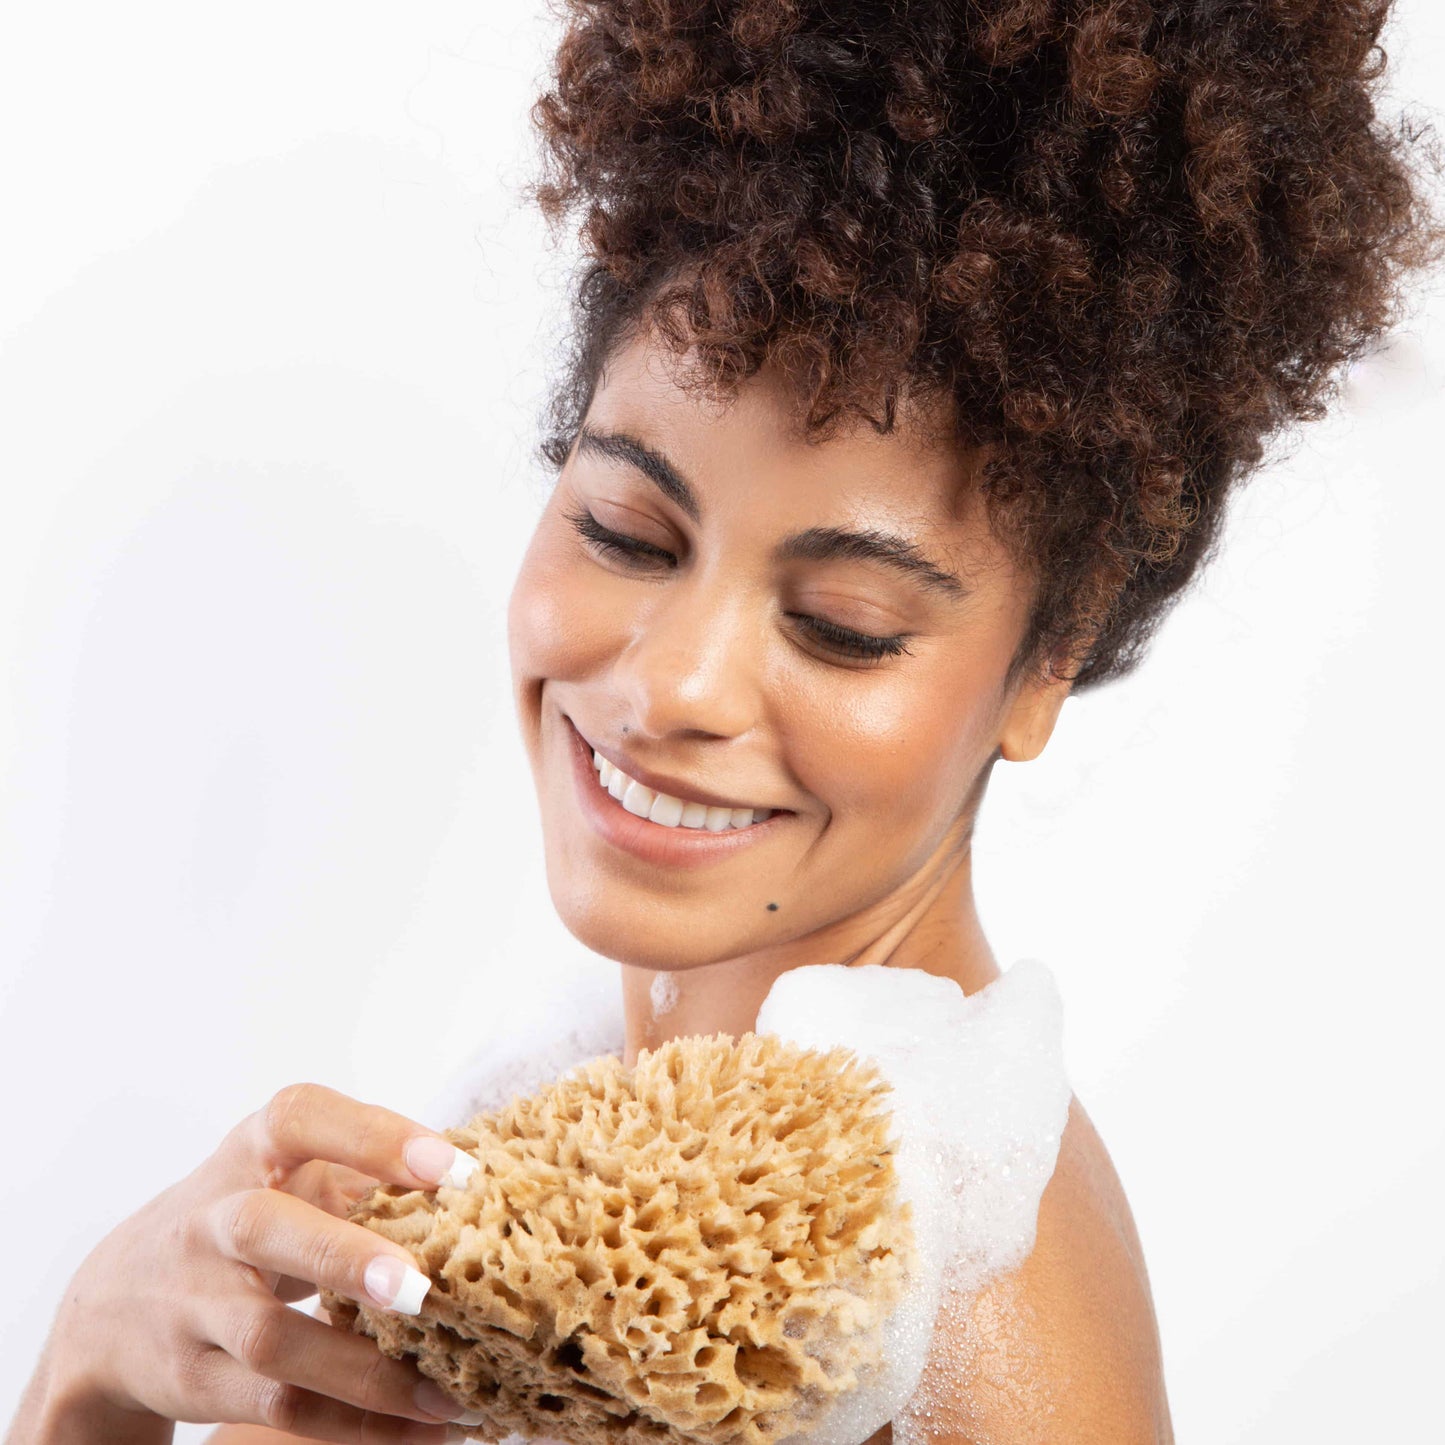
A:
x: 902, y: 758
x: 554, y: 618
x: 851, y: 743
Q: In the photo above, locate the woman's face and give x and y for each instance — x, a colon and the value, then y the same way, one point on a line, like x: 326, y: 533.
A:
x: 747, y: 621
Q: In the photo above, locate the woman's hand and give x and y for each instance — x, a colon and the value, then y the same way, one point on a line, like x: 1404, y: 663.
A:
x: 179, y: 1313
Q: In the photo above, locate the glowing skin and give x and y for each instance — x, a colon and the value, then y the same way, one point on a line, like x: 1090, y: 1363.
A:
x: 697, y: 665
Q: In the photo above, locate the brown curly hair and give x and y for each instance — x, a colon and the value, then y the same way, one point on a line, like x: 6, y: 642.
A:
x: 1127, y: 239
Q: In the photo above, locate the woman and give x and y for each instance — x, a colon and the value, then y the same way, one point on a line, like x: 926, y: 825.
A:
x: 918, y: 352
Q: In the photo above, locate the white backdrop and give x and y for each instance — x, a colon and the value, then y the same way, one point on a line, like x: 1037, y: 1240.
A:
x: 273, y: 325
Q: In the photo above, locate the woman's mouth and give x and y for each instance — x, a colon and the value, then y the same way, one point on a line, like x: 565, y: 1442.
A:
x: 667, y: 810
x: 655, y: 826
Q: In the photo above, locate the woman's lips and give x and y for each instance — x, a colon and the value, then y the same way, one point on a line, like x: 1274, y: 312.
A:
x: 644, y: 839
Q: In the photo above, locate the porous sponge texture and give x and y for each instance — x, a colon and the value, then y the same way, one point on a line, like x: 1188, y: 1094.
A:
x: 702, y: 1248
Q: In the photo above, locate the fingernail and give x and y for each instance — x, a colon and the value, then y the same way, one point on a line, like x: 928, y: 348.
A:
x: 395, y: 1285
x: 440, y: 1163
x: 430, y: 1396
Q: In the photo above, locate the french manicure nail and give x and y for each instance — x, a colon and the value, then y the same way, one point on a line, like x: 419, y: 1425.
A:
x: 442, y: 1163
x: 395, y: 1285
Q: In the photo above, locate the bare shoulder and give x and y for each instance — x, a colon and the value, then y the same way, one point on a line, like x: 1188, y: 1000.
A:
x: 1066, y: 1347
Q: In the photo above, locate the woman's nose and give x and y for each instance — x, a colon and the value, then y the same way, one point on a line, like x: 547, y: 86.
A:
x: 690, y: 666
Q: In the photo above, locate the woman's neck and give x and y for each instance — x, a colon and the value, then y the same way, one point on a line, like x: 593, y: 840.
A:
x: 930, y: 925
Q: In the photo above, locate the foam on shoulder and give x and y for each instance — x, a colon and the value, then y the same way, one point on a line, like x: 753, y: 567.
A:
x: 980, y: 1101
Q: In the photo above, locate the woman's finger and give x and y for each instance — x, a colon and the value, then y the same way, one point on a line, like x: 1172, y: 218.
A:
x: 332, y: 1187
x: 303, y: 1122
x: 284, y: 1237
x: 237, y: 1394
x: 286, y: 1347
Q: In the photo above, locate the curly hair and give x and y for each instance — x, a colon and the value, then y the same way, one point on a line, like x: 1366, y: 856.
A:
x: 1124, y: 241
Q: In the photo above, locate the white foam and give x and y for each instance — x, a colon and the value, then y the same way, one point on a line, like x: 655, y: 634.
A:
x: 980, y: 1100
x: 663, y: 994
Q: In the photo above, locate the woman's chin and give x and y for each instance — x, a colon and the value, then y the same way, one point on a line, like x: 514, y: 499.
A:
x: 653, y: 937
x: 623, y: 941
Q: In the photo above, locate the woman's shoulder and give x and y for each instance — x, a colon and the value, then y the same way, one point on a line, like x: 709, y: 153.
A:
x: 1066, y: 1346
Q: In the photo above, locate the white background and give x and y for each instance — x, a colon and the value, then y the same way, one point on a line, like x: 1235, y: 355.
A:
x: 273, y: 324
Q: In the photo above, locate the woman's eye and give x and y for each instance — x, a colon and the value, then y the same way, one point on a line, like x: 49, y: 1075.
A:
x: 633, y: 550
x: 850, y: 643
x: 616, y: 544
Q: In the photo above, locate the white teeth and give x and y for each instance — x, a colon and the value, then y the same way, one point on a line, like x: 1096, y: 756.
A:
x: 667, y: 810
x: 638, y: 799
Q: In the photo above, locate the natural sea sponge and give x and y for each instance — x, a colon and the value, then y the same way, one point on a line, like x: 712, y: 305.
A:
x: 702, y: 1248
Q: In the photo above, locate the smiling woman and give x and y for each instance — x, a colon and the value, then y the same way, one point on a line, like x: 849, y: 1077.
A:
x: 811, y: 645
x: 918, y: 350
x: 732, y: 615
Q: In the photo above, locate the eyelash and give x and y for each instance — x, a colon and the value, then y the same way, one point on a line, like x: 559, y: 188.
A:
x: 855, y: 644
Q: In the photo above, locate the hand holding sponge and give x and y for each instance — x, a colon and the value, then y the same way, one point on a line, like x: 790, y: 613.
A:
x: 703, y: 1248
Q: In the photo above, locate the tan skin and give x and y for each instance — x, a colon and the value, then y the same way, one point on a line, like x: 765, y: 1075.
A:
x: 699, y: 661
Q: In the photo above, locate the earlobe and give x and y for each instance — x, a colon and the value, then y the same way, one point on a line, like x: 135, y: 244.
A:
x: 1031, y: 718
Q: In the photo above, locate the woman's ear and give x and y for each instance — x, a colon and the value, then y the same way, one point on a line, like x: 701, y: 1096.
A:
x: 1029, y: 722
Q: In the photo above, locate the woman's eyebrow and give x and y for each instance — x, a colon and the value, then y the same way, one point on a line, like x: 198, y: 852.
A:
x: 620, y: 447
x: 816, y: 544
x: 824, y: 544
